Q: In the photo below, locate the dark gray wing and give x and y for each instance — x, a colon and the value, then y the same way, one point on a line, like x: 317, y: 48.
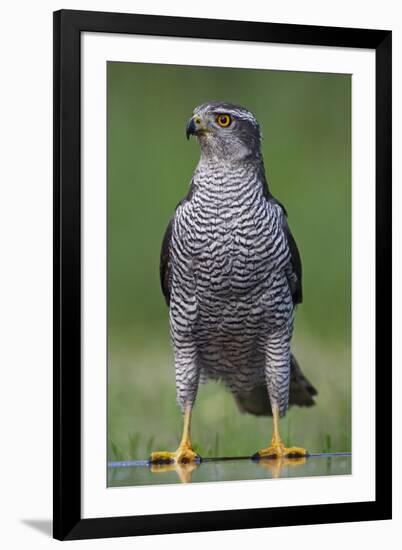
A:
x: 295, y: 273
x: 165, y: 265
x: 295, y: 278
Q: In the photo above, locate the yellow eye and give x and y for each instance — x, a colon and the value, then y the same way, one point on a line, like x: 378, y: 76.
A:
x: 223, y: 120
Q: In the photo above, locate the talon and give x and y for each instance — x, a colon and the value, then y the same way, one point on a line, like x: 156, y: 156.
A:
x: 162, y: 457
x: 296, y: 453
x: 277, y: 449
x: 262, y: 455
x: 183, y: 455
x: 255, y: 456
x: 280, y: 451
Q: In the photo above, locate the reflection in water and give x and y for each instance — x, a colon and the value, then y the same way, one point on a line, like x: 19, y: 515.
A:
x: 184, y: 471
x: 276, y: 465
x: 141, y: 472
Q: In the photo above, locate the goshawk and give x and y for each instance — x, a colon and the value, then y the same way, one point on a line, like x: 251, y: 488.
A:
x: 231, y: 274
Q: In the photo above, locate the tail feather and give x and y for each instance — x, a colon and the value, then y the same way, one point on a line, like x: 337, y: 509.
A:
x: 256, y: 401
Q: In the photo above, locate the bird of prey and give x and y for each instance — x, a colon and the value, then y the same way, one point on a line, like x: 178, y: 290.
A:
x: 231, y: 274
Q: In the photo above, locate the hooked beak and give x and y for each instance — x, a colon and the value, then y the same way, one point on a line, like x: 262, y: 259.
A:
x: 195, y: 127
x: 190, y: 128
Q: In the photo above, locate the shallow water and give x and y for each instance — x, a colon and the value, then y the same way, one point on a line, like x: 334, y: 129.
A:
x: 121, y: 474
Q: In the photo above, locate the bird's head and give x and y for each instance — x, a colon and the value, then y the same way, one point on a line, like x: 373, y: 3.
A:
x: 225, y: 132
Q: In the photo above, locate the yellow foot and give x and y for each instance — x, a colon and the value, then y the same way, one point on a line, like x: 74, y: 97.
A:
x: 183, y: 455
x: 280, y: 451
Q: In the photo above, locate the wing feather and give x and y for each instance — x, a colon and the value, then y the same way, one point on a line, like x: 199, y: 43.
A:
x: 165, y: 265
x: 295, y: 280
x: 295, y: 272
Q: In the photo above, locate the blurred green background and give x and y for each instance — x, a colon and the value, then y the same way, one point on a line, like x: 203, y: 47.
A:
x: 306, y: 125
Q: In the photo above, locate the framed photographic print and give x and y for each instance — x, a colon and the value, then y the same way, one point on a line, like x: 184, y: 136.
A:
x: 222, y: 303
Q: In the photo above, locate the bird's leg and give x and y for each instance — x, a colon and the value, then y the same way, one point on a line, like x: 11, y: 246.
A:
x: 185, y: 452
x: 187, y: 378
x: 277, y: 372
x: 277, y: 449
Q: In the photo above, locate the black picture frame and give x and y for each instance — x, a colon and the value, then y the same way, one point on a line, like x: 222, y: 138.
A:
x: 68, y: 26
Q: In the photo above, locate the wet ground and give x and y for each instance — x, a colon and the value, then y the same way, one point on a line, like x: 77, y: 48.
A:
x: 140, y: 472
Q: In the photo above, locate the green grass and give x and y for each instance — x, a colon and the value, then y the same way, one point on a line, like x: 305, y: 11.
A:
x: 306, y: 124
x: 143, y: 415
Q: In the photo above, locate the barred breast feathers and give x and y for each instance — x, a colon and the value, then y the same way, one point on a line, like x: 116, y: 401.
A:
x: 229, y: 228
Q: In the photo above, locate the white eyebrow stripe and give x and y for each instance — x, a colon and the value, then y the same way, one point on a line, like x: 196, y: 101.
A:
x: 234, y: 112
x: 222, y: 109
